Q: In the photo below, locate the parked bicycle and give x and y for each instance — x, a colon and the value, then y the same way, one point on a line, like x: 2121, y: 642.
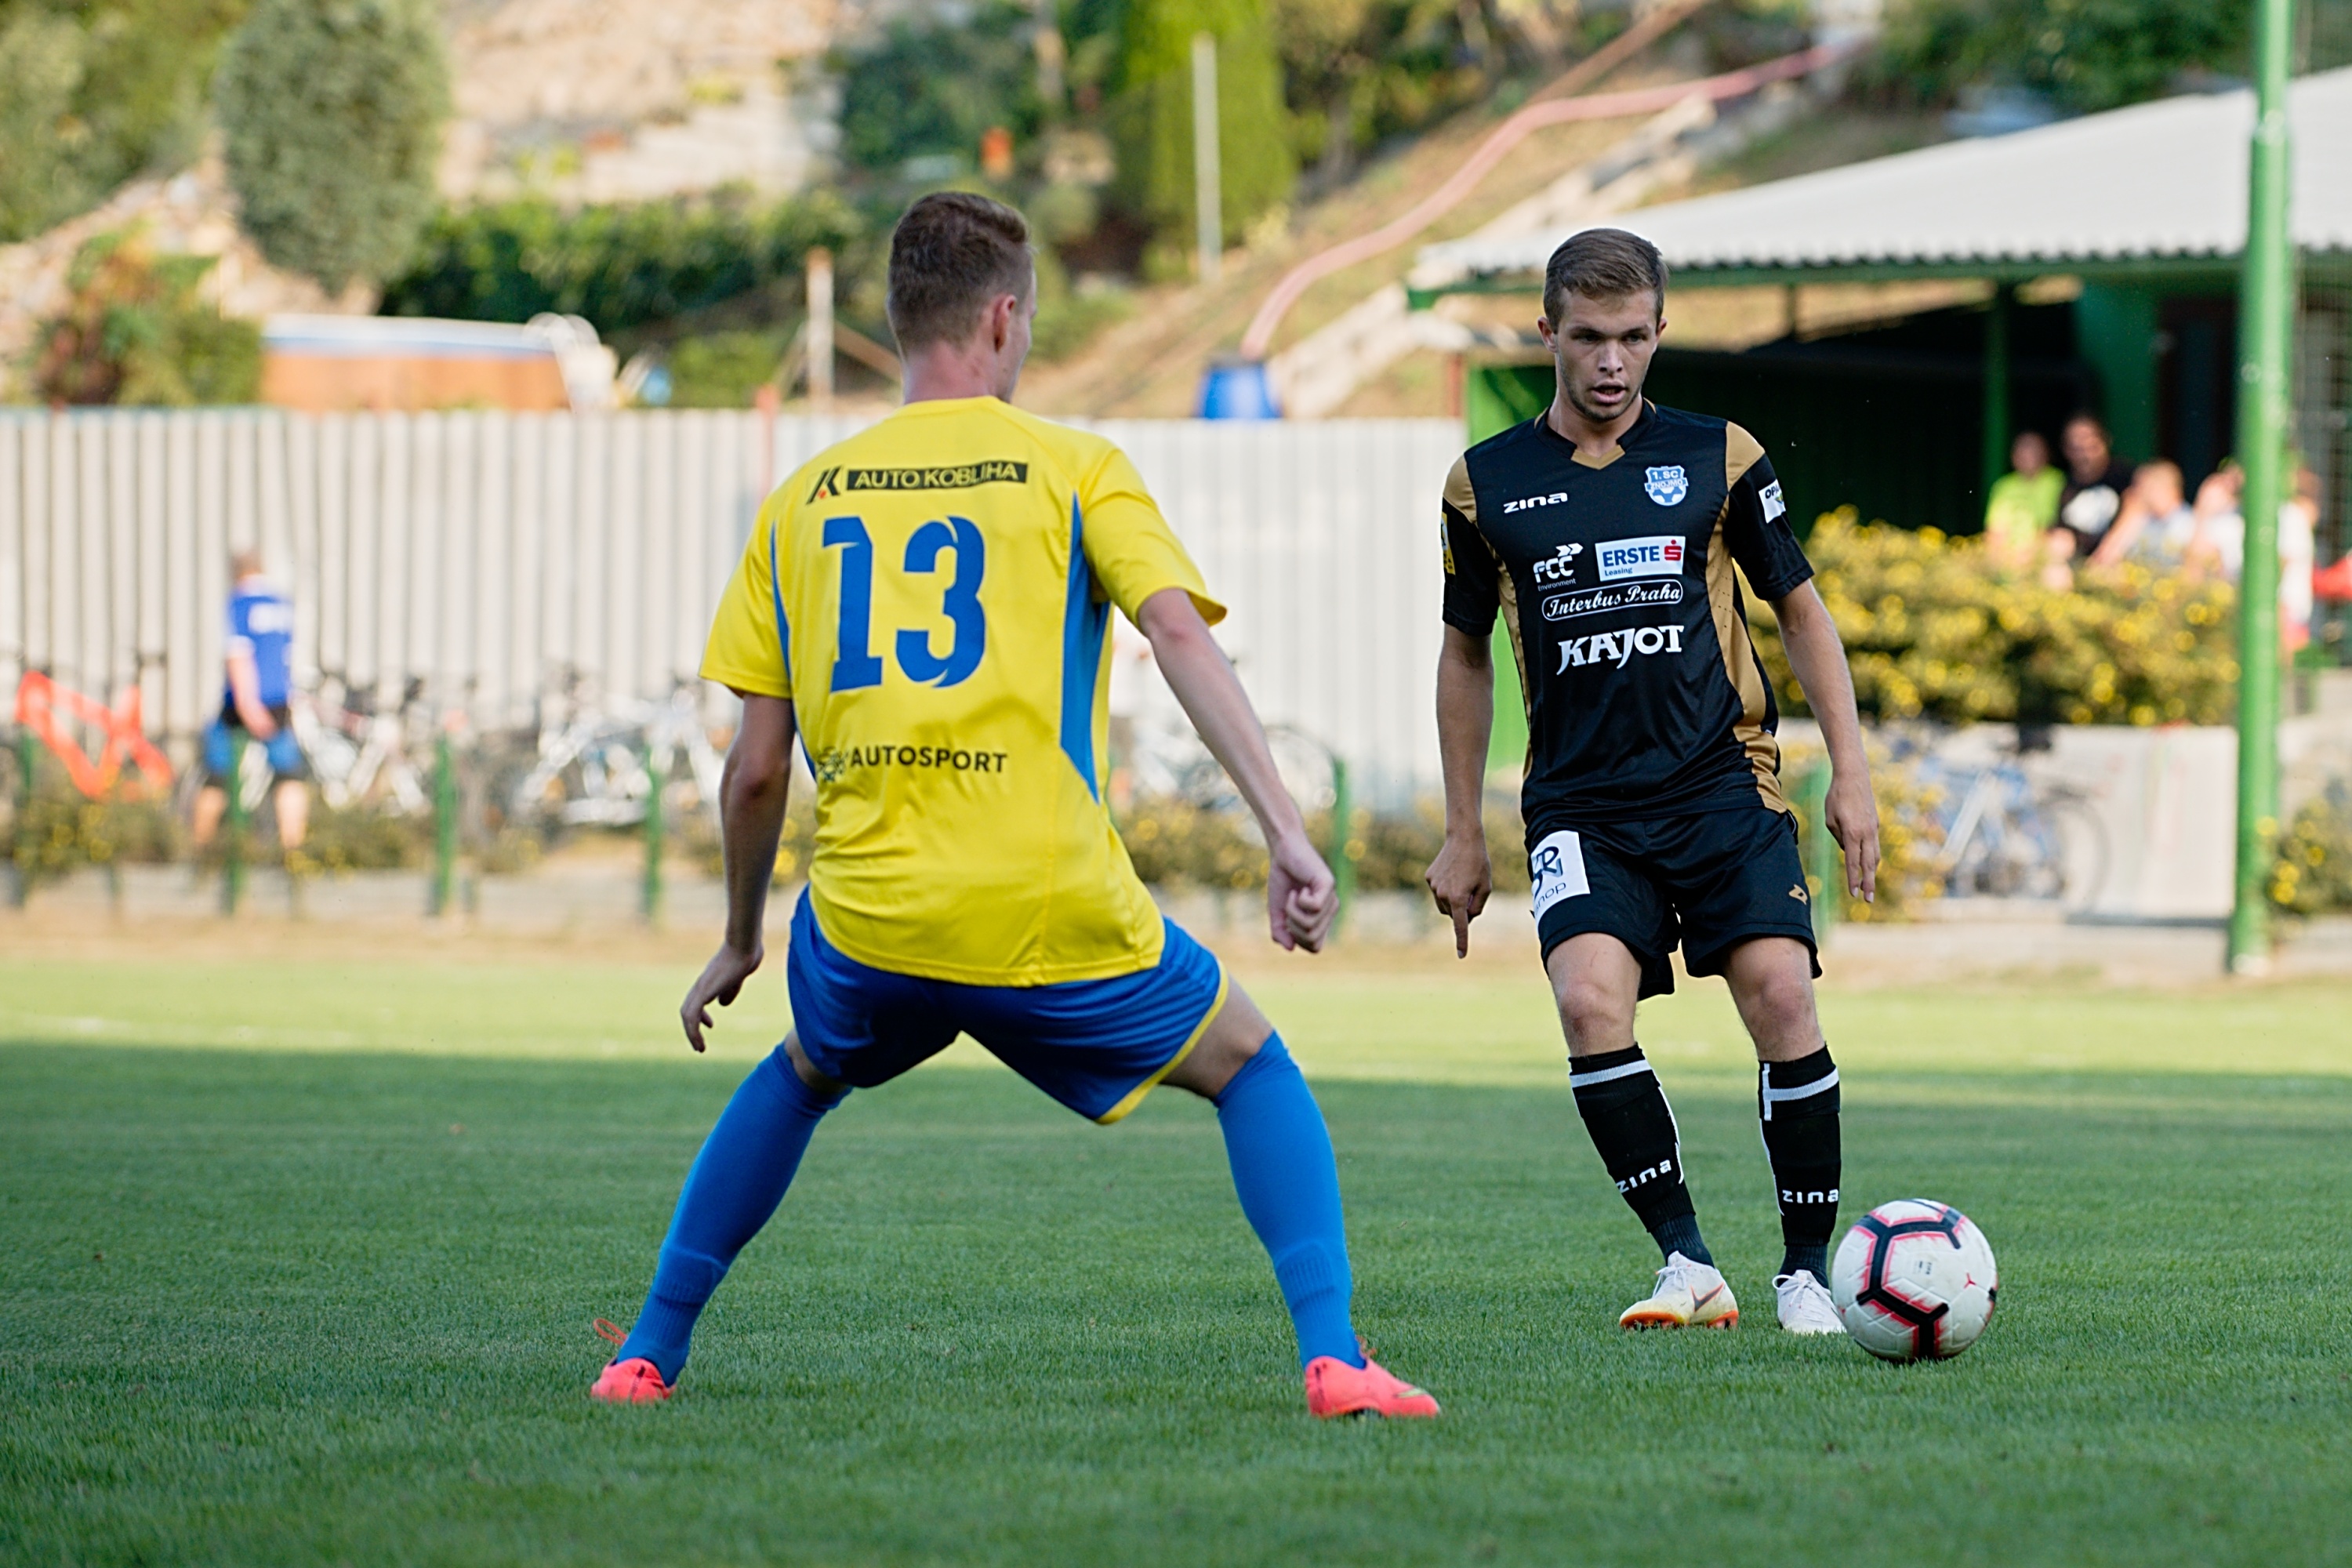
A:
x: 2007, y: 835
x: 597, y: 768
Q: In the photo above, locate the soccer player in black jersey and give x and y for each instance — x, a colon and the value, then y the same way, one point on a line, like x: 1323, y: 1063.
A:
x: 1605, y: 534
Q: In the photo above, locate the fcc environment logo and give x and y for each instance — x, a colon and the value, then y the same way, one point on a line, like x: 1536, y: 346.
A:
x: 1667, y: 486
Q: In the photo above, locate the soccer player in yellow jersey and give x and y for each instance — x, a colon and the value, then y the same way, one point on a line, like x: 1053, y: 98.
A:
x: 925, y: 606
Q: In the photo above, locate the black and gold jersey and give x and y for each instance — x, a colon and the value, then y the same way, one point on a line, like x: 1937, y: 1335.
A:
x: 1614, y: 577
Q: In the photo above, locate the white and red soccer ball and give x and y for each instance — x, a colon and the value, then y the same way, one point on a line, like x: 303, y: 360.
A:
x: 1914, y: 1280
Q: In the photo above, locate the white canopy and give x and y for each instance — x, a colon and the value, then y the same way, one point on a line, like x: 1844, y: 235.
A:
x: 2163, y: 181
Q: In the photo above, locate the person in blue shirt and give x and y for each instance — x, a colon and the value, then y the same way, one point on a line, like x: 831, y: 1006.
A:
x: 258, y: 651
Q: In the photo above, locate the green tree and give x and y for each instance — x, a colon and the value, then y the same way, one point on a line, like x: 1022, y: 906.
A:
x: 42, y: 61
x: 2087, y: 55
x: 333, y: 111
x: 94, y: 92
x: 924, y: 89
x: 1259, y: 166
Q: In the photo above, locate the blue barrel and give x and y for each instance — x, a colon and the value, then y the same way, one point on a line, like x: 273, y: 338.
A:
x: 1237, y: 389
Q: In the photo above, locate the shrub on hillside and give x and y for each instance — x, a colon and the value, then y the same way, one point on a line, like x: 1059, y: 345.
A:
x: 1933, y: 631
x: 332, y: 115
x: 620, y: 267
x: 134, y: 332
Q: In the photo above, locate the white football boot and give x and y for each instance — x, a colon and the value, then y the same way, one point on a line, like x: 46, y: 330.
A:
x: 1689, y: 1295
x: 1805, y: 1304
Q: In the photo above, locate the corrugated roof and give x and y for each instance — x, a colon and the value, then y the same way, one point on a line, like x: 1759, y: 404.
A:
x: 2157, y: 181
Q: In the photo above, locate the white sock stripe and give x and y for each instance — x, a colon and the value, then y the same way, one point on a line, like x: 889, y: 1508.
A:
x: 1802, y: 1091
x: 1605, y: 1075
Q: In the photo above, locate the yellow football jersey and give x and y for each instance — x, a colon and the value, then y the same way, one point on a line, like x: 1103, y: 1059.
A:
x: 943, y: 584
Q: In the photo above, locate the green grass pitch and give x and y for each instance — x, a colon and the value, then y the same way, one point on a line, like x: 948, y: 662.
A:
x: 297, y: 1266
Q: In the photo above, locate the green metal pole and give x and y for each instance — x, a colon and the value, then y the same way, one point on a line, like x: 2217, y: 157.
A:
x: 28, y: 757
x: 444, y: 824
x: 2265, y: 321
x: 233, y: 845
x: 1343, y: 863
x: 652, y: 901
x: 1996, y: 389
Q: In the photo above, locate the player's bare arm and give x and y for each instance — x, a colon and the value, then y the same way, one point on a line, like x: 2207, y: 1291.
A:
x: 244, y: 689
x: 1462, y: 877
x: 1300, y: 895
x: 752, y: 793
x: 1818, y: 659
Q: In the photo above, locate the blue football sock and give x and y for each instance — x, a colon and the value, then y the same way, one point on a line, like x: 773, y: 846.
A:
x: 736, y: 1183
x: 1289, y: 1187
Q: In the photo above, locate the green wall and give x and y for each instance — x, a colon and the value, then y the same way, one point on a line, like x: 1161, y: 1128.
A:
x: 2115, y: 329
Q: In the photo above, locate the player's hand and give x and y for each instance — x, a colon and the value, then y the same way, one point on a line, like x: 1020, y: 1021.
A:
x: 1300, y: 896
x: 1462, y: 879
x: 1852, y: 817
x: 722, y: 981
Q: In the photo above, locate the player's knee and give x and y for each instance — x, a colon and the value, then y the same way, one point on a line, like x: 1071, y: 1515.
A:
x: 1781, y: 1001
x: 1592, y: 1012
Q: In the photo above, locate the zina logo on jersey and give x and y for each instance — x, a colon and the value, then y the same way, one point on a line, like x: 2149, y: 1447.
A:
x: 1666, y: 485
x: 1618, y: 647
x: 1659, y: 555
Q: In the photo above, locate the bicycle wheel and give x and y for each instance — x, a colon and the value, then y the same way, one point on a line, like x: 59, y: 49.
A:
x: 2082, y: 853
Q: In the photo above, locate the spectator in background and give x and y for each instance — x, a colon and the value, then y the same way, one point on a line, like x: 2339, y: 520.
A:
x: 2023, y: 504
x: 2157, y: 522
x: 259, y: 654
x: 2096, y: 491
x: 2218, y: 542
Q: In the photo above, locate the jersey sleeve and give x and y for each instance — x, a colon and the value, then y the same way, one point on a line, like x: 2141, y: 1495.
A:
x: 238, y: 635
x: 1129, y: 543
x: 1756, y: 521
x: 749, y: 649
x: 1473, y: 583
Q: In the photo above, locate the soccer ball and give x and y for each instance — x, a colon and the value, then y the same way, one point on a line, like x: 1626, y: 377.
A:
x: 1914, y: 1281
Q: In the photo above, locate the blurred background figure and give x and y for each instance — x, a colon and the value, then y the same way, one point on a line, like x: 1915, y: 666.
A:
x: 2096, y: 492
x: 2023, y: 504
x: 2218, y: 542
x: 2158, y: 524
x: 254, y: 699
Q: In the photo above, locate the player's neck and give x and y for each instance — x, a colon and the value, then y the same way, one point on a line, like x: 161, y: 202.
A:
x: 1594, y: 440
x: 939, y: 371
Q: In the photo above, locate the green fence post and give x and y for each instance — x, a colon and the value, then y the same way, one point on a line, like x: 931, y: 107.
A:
x: 28, y: 757
x: 444, y: 824
x: 1343, y: 863
x: 233, y: 845
x: 1823, y: 871
x: 651, y: 903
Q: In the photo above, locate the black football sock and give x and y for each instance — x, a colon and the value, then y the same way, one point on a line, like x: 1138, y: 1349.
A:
x: 1624, y: 1107
x: 1798, y: 1102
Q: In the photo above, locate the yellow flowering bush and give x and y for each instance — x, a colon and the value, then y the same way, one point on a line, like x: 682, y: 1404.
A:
x: 1910, y: 833
x: 2313, y: 873
x: 1934, y: 630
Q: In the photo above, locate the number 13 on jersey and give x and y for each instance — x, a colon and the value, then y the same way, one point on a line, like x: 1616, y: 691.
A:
x: 856, y: 665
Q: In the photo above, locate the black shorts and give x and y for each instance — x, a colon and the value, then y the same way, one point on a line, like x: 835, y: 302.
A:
x: 1709, y: 881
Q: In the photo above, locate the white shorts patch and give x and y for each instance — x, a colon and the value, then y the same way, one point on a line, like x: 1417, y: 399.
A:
x: 1555, y: 867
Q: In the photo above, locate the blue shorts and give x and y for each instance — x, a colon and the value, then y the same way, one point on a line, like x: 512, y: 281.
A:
x: 285, y: 754
x: 1096, y: 1045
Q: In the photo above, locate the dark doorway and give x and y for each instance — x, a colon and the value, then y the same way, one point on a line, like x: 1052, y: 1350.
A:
x: 2197, y: 393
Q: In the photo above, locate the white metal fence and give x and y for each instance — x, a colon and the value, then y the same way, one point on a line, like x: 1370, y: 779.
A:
x: 493, y: 555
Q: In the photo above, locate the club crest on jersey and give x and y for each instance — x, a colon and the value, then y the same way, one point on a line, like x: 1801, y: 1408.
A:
x: 1666, y: 485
